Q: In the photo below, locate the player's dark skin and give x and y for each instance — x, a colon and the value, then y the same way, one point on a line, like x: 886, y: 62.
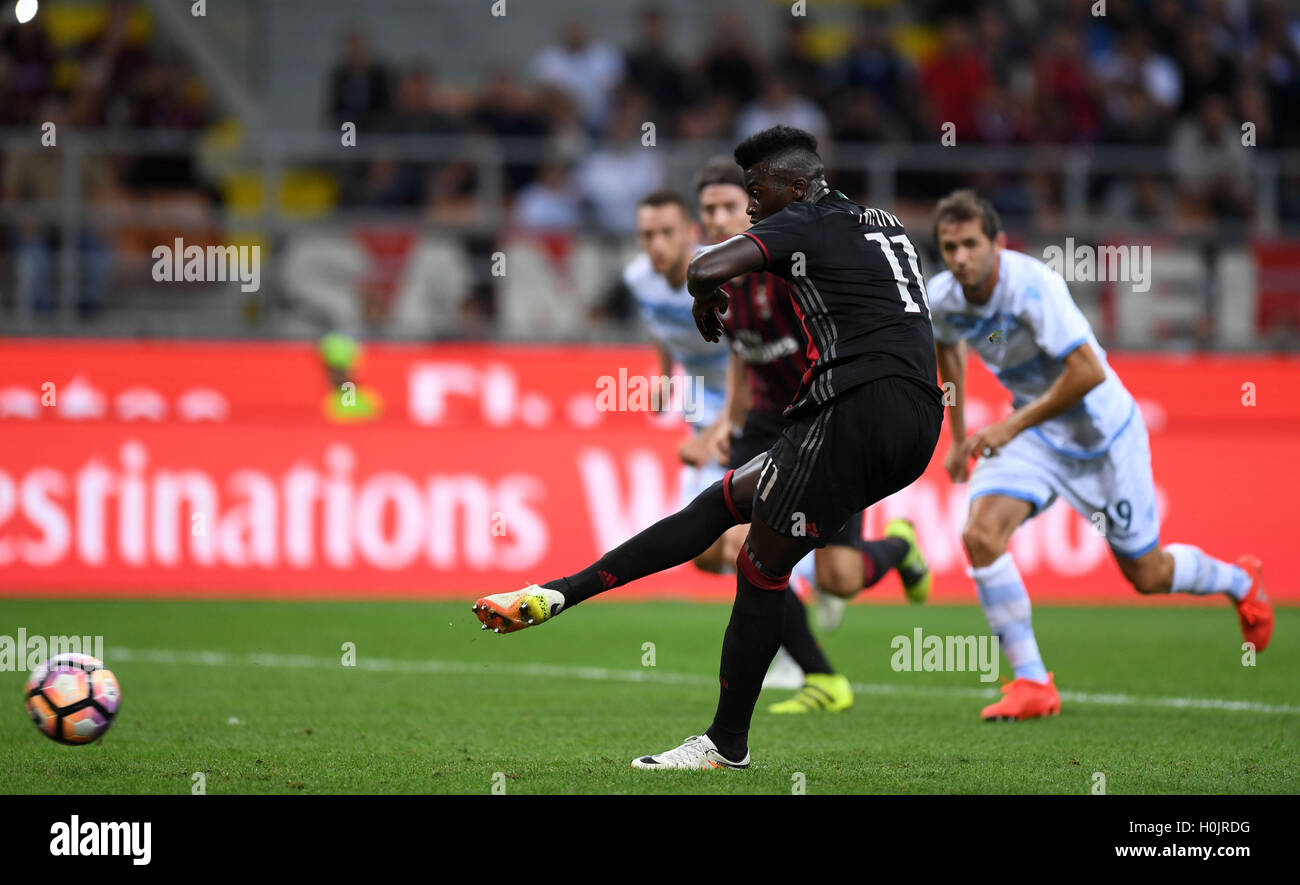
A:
x: 711, y: 267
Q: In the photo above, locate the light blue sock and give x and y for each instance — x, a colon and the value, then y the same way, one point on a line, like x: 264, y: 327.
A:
x: 1006, y: 607
x: 1197, y: 572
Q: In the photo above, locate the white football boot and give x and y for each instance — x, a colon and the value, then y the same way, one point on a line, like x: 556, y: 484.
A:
x: 694, y: 754
x: 508, y: 612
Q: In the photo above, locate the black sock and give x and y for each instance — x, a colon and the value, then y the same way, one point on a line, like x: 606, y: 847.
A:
x: 878, y: 557
x: 798, y: 639
x: 670, y: 541
x: 752, y: 638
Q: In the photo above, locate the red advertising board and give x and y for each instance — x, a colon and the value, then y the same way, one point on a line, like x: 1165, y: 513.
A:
x: 211, y: 469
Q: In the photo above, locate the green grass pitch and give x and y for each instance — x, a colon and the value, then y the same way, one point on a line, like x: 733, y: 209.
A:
x: 256, y: 697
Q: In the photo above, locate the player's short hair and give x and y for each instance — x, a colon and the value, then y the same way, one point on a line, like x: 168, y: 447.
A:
x: 963, y: 205
x: 790, y: 153
x: 719, y: 170
x: 665, y: 197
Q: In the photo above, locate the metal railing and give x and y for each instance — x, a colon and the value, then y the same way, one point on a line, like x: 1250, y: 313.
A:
x: 1073, y: 170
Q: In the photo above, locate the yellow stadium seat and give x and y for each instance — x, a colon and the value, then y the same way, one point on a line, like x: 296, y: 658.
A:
x: 69, y: 24
x: 307, y: 192
x: 242, y: 192
x: 302, y: 192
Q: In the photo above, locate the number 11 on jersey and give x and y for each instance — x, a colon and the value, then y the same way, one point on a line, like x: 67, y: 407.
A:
x: 909, y: 306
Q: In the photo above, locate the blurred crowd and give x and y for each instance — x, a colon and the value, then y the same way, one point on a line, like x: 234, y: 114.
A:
x: 108, y: 76
x: 112, y: 76
x: 1190, y: 81
x: 1182, y: 75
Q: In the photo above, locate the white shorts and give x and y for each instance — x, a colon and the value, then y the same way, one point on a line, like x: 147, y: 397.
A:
x: 1117, y: 486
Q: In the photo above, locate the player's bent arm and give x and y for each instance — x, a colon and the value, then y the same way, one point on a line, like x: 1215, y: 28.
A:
x: 1083, y: 372
x: 952, y: 368
x: 714, y: 265
x: 709, y: 269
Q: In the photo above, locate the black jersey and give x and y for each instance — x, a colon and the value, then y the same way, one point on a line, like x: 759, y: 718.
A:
x: 855, y: 280
x: 768, y: 337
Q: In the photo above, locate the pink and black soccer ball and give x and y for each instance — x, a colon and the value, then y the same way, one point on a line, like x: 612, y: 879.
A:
x: 73, y: 699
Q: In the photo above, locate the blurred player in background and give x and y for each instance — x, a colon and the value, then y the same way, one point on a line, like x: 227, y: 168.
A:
x: 347, y: 401
x: 1075, y: 432
x: 767, y: 363
x: 657, y: 281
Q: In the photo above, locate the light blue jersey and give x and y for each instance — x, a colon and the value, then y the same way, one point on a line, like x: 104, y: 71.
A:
x: 667, y: 315
x: 1023, y: 334
x: 1097, y: 455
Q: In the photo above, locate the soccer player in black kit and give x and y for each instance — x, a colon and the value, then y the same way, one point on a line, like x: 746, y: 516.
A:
x: 769, y: 356
x: 864, y: 423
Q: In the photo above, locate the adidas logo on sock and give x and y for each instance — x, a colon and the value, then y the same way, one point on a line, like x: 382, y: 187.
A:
x: 607, y: 579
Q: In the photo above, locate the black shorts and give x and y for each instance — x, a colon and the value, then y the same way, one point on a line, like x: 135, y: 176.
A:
x: 761, y: 432
x: 862, y: 446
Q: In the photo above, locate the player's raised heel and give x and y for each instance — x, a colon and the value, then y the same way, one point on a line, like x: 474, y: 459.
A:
x: 518, y: 609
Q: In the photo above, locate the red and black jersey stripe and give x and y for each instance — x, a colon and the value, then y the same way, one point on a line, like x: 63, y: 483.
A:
x: 767, y: 333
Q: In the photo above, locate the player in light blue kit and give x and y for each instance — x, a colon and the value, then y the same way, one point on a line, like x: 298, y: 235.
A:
x: 1075, y: 432
x: 656, y: 280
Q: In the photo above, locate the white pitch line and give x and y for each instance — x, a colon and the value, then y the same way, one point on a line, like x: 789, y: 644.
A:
x: 602, y: 674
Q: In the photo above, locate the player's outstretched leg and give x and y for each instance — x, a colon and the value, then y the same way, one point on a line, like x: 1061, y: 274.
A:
x: 752, y: 637
x: 670, y: 541
x: 1184, y: 568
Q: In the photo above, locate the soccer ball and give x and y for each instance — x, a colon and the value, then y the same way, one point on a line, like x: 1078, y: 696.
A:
x: 73, y: 699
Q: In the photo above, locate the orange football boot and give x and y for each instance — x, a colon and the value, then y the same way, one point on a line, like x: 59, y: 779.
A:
x: 1024, y: 699
x: 1254, y: 610
x: 509, y: 612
